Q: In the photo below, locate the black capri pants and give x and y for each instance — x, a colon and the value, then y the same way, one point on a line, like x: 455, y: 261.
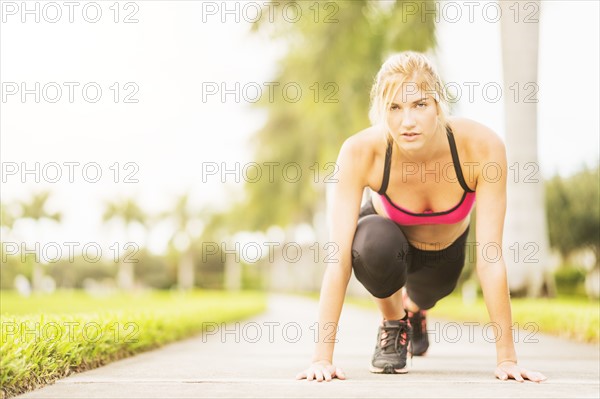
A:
x: 384, y: 261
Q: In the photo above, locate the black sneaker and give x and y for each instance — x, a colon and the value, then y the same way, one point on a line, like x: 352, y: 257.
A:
x: 420, y: 341
x: 391, y: 347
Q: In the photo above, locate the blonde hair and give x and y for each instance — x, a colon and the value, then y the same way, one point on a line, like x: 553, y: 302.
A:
x: 399, y: 69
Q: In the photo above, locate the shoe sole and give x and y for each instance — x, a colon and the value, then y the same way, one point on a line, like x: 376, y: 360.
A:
x: 388, y: 369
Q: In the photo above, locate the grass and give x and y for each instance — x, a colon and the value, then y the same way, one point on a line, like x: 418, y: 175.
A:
x: 573, y: 318
x: 46, y: 337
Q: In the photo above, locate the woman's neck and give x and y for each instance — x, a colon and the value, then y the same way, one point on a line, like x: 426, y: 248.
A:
x: 433, y: 149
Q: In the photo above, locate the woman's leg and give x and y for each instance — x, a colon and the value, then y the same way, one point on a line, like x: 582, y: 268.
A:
x: 391, y: 307
x: 380, y: 263
x: 408, y: 303
x: 432, y: 275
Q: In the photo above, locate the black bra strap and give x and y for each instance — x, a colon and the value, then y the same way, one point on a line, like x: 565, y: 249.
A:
x: 386, y: 169
x: 456, y: 161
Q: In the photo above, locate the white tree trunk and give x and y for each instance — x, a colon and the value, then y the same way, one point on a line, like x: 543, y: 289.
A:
x: 233, y: 275
x: 525, y: 239
x: 37, y: 277
x: 185, y: 271
x: 125, y: 276
x: 233, y: 271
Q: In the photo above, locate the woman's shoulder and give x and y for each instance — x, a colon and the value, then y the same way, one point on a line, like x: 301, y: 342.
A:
x: 474, y: 137
x: 364, y: 152
x: 366, y: 144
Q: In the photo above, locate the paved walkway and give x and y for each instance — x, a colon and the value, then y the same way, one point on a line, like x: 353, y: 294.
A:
x: 259, y: 358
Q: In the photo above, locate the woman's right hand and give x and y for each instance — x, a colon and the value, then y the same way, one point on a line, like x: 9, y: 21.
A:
x: 321, y: 370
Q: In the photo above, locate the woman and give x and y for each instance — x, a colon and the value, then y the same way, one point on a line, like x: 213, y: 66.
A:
x: 406, y: 245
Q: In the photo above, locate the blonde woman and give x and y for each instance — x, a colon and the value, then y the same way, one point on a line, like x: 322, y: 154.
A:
x: 406, y: 245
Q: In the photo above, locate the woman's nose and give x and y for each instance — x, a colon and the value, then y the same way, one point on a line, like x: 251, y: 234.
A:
x: 408, y: 119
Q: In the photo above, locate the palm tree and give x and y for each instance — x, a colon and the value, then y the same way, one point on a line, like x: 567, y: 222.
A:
x: 334, y: 62
x: 36, y: 209
x: 128, y: 212
x: 334, y: 52
x: 526, y: 232
x: 333, y: 56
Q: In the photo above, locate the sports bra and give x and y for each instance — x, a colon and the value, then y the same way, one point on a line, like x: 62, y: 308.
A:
x: 405, y: 217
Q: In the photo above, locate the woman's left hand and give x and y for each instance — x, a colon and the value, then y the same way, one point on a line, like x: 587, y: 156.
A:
x: 506, y: 370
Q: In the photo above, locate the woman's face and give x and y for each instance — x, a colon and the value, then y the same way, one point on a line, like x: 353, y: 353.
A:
x: 412, y: 117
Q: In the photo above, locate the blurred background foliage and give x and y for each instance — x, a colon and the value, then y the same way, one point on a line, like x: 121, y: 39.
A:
x: 338, y: 58
x: 336, y: 54
x: 574, y: 212
x: 572, y: 205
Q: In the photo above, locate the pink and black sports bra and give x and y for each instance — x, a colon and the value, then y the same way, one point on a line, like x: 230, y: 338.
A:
x: 405, y: 217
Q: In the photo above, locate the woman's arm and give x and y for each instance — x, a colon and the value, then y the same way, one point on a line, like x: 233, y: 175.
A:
x: 343, y: 204
x: 491, y: 269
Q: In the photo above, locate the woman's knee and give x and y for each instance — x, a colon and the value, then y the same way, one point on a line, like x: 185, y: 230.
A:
x: 379, y: 255
x: 379, y: 239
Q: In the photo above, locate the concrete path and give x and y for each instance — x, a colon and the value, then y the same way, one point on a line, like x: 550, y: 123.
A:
x: 260, y: 357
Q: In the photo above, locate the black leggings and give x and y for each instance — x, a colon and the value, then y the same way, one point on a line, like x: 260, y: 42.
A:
x: 384, y: 261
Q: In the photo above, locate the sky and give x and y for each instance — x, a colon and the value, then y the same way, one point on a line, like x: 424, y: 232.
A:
x: 153, y: 126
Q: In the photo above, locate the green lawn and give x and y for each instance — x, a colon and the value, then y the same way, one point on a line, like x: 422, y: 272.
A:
x: 46, y: 337
x: 573, y: 318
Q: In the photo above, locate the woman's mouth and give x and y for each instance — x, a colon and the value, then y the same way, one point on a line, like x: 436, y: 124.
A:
x: 410, y: 136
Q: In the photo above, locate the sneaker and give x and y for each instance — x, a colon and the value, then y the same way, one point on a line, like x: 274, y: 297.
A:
x: 391, y: 347
x: 420, y: 341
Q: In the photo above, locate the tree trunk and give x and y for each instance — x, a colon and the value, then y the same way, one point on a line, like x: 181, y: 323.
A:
x: 185, y: 271
x: 525, y: 239
x: 37, y: 277
x: 233, y: 275
x: 233, y: 271
x: 125, y: 277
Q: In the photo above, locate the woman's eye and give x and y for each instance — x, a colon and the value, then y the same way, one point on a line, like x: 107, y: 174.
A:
x: 393, y: 107
x: 422, y: 104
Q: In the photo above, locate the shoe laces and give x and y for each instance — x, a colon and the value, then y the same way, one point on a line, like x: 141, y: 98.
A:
x: 396, y: 336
